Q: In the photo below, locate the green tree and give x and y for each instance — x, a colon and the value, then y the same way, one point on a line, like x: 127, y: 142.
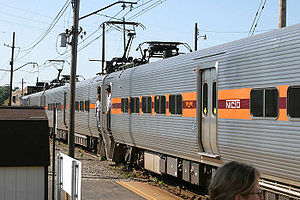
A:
x: 4, y: 94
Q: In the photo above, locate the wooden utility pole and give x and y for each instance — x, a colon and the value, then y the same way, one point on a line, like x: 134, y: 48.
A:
x: 11, y: 68
x: 75, y: 33
x: 282, y: 14
x: 196, y: 37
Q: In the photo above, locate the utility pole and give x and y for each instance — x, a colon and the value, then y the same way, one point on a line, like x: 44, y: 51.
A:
x: 196, y: 36
x: 75, y: 33
x: 124, y: 34
x: 11, y: 68
x: 282, y: 14
x: 22, y: 87
x: 103, y: 47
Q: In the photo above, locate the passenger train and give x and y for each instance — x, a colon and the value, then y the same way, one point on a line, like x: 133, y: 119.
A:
x: 186, y: 115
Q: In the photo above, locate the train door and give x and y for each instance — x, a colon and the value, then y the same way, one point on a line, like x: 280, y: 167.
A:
x: 65, y: 110
x: 98, y: 108
x: 207, y: 109
x: 108, y: 105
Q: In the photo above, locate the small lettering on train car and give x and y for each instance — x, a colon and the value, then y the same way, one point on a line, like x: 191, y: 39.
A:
x: 233, y: 104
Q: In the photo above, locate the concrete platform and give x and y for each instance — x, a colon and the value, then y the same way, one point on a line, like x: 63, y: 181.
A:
x: 93, y: 189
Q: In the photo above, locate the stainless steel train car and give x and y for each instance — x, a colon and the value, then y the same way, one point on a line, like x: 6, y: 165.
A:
x: 188, y: 114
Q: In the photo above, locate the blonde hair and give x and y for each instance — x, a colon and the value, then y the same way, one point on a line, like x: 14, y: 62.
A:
x: 231, y: 179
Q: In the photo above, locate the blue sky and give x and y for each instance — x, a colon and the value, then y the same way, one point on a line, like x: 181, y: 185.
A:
x: 170, y: 20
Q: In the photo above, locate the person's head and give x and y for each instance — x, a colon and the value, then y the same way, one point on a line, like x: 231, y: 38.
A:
x: 235, y: 181
x: 108, y: 90
x: 98, y: 97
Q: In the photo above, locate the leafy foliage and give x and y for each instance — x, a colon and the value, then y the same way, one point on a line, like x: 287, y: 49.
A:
x: 4, y: 94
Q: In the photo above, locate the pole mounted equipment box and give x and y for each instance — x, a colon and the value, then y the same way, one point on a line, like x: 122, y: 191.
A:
x: 25, y: 154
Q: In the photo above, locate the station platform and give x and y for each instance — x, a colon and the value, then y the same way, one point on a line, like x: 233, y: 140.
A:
x: 95, y: 189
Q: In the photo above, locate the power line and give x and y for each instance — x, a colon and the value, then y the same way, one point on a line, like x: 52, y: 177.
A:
x: 155, y: 4
x: 256, y: 14
x: 24, y: 10
x: 4, y: 76
x: 137, y: 7
x: 50, y: 27
x: 84, y: 46
x: 48, y: 30
x: 27, y: 26
x: 22, y: 17
x: 132, y: 17
x: 257, y: 17
x: 147, y: 9
x: 233, y: 32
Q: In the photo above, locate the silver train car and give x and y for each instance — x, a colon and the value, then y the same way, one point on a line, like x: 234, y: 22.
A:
x: 188, y: 114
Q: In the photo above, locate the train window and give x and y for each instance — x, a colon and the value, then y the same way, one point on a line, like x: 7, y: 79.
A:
x: 124, y: 105
x: 179, y: 104
x: 293, y: 102
x: 163, y: 104
x: 149, y: 104
x: 134, y: 105
x: 160, y: 104
x: 42, y: 100
x: 99, y: 90
x: 271, y: 103
x: 81, y: 106
x: 205, y: 99
x: 87, y: 105
x: 264, y: 102
x: 77, y: 105
x: 156, y: 104
x: 59, y: 106
x: 172, y: 104
x: 137, y: 105
x: 214, y: 98
x: 175, y: 104
x: 146, y: 104
x: 256, y: 102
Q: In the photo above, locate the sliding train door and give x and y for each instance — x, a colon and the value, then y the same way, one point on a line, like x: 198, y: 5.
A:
x: 207, y: 109
x: 65, y: 110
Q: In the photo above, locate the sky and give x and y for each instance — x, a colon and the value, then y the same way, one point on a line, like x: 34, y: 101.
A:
x: 165, y: 20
